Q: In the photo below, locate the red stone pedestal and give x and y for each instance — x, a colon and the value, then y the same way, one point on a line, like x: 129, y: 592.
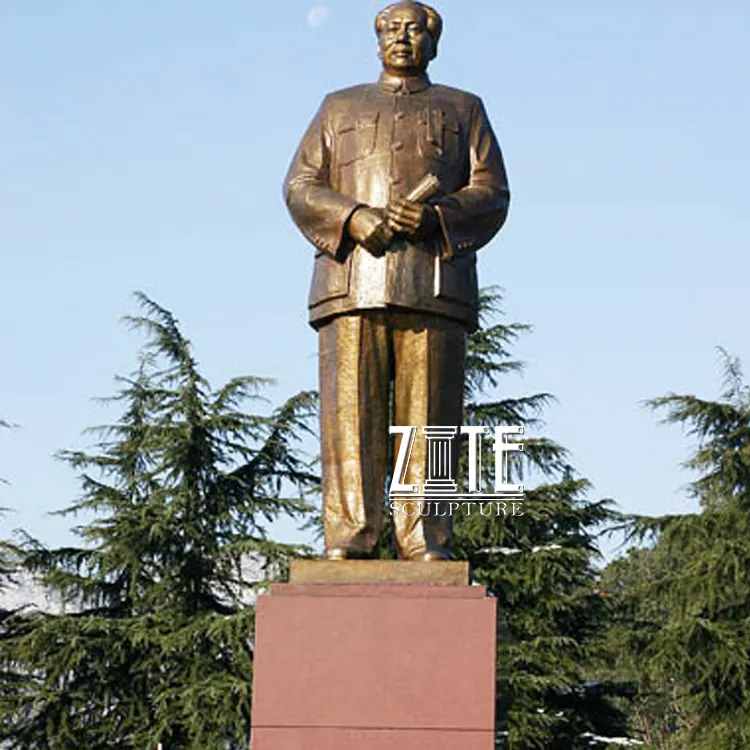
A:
x: 374, y: 667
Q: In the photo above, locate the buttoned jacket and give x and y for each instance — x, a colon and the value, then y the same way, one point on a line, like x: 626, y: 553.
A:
x: 372, y: 143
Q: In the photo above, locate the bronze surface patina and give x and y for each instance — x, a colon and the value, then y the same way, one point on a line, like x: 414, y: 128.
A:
x: 383, y: 572
x: 394, y: 288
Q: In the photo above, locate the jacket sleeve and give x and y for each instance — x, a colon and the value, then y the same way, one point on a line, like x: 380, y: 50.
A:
x: 473, y: 215
x: 320, y: 212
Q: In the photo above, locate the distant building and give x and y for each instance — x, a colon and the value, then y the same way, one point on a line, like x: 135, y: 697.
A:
x: 26, y: 592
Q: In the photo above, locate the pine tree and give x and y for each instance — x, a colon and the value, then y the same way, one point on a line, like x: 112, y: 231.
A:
x: 156, y: 643
x: 686, y: 597
x: 540, y: 565
x: 656, y: 710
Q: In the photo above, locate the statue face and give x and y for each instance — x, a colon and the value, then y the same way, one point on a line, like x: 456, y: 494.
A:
x: 405, y: 45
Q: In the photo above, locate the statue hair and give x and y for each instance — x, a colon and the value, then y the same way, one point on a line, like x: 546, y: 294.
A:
x: 433, y: 18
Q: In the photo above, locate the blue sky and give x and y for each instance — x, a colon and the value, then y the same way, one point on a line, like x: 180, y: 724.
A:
x: 143, y: 146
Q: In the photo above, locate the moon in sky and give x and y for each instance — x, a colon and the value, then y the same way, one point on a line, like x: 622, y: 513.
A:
x: 318, y: 15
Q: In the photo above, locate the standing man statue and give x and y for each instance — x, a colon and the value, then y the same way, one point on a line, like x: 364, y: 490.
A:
x: 394, y: 289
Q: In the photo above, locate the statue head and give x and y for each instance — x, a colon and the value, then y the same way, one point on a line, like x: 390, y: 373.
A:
x: 408, y: 35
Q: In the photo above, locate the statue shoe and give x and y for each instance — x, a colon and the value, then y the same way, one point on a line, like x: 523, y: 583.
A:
x: 336, y: 553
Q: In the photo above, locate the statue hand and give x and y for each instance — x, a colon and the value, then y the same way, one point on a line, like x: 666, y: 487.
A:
x: 368, y: 228
x: 410, y: 218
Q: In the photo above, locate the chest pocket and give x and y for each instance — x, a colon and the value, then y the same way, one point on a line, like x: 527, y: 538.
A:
x: 439, y: 135
x: 356, y: 138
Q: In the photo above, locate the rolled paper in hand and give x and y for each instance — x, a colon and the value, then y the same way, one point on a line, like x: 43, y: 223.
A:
x: 426, y: 188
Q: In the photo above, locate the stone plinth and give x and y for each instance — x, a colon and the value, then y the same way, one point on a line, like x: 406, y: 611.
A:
x: 356, y: 666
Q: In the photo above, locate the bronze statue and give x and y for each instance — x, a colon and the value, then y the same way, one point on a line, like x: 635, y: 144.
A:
x: 394, y: 288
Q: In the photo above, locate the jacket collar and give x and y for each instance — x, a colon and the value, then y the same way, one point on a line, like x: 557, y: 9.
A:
x: 410, y: 85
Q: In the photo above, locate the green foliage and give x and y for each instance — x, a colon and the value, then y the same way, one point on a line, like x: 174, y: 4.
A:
x: 684, y: 615
x: 156, y: 643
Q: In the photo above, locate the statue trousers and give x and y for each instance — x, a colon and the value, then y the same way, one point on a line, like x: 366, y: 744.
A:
x: 374, y: 366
